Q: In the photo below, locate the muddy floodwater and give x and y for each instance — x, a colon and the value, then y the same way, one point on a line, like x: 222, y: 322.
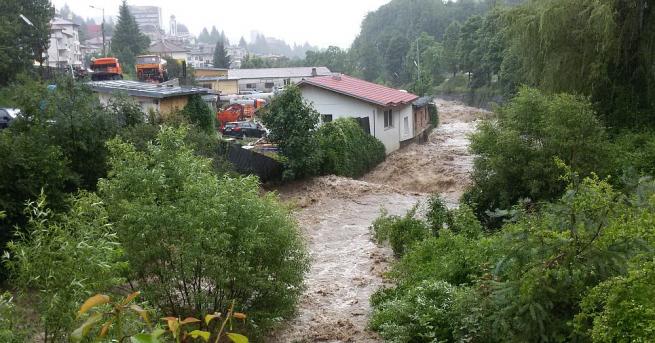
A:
x: 335, y: 215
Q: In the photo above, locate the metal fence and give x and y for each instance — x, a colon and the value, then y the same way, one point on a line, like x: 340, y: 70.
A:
x: 250, y: 162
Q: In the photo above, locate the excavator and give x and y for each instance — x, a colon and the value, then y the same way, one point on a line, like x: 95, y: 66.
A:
x: 151, y: 68
x: 241, y: 111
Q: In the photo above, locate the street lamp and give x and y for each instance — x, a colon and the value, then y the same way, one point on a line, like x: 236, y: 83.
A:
x: 27, y: 21
x: 102, y: 28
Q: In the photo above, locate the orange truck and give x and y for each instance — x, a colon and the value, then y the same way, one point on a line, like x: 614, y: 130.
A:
x: 151, y: 68
x: 106, y: 68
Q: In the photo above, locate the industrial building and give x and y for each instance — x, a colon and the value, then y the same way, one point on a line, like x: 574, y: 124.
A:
x: 149, y: 20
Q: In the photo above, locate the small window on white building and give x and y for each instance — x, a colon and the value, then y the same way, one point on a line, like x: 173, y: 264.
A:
x: 388, y: 118
x: 269, y: 85
x: 326, y: 118
x: 287, y: 82
x: 251, y: 85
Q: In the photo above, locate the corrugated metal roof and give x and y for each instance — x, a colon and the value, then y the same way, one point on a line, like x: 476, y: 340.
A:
x: 360, y: 89
x: 210, y: 78
x: 422, y: 101
x: 143, y: 89
x: 275, y: 73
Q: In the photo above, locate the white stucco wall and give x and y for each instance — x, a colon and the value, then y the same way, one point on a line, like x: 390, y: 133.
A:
x: 406, y: 118
x: 341, y: 106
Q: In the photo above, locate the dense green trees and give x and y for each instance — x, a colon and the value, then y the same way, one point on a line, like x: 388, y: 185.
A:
x: 21, y: 43
x: 128, y: 41
x: 600, y: 48
x: 515, y: 154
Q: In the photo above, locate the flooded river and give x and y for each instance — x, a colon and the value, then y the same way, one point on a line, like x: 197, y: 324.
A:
x: 335, y: 214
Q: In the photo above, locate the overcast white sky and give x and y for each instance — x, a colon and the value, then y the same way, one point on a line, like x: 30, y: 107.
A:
x: 319, y: 22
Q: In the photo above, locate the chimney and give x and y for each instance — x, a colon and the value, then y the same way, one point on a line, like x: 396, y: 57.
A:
x: 336, y: 76
x: 314, y: 74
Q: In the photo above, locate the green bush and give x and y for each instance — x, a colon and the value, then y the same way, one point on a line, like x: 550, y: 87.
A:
x: 199, y: 113
x: 10, y: 329
x: 433, y: 113
x: 422, y: 314
x: 194, y: 241
x: 65, y: 259
x: 438, y: 216
x: 621, y: 309
x: 347, y: 150
x: 401, y: 232
x: 633, y: 152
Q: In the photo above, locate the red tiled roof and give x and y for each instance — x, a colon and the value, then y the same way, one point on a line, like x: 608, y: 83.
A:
x: 360, y: 89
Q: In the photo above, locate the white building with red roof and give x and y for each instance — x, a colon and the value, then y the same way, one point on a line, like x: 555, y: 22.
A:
x: 388, y: 113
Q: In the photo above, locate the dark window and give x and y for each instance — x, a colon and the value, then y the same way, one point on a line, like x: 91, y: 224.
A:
x: 269, y: 85
x: 388, y: 118
x: 326, y: 118
x: 251, y: 85
x: 287, y: 82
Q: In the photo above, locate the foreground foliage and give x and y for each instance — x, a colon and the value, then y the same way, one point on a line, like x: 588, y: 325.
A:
x: 209, y: 240
x: 63, y: 259
x: 578, y: 270
x: 124, y: 318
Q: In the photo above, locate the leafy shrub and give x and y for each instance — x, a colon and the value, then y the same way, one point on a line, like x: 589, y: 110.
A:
x: 633, y: 151
x: 199, y: 113
x: 621, y: 309
x: 124, y: 319
x: 422, y: 314
x: 29, y: 165
x: 515, y: 154
x: 438, y: 216
x: 348, y: 150
x: 433, y: 113
x: 292, y: 124
x: 65, y: 258
x: 401, y: 232
x: 209, y: 240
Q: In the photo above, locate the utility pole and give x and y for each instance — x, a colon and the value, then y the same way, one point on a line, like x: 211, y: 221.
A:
x: 102, y: 28
x: 418, y: 59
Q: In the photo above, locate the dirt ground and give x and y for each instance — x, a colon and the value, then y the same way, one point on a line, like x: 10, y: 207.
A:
x: 335, y: 214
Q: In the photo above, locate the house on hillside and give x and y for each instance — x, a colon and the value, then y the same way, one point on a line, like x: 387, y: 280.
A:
x: 269, y: 79
x: 163, y: 99
x: 392, y: 116
x: 167, y: 48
